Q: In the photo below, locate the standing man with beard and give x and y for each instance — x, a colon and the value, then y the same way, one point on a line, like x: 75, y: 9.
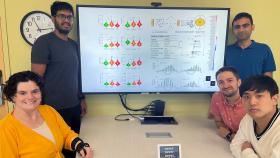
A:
x: 226, y: 106
x: 55, y: 57
x: 247, y: 56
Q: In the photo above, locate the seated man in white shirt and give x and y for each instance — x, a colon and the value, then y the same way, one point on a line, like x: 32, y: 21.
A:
x: 259, y: 131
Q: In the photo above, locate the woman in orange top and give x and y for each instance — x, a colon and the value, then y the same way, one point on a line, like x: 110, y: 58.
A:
x: 33, y: 130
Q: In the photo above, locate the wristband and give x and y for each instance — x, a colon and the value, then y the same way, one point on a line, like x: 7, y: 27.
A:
x: 81, y: 146
x: 74, y: 142
x: 228, y: 137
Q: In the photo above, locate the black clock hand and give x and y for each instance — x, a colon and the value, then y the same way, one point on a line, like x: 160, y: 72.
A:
x: 37, y: 26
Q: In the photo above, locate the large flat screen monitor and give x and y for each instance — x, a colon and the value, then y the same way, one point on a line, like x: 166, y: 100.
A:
x: 150, y: 50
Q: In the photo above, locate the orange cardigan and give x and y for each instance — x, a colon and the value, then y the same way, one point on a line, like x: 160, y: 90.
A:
x: 19, y: 141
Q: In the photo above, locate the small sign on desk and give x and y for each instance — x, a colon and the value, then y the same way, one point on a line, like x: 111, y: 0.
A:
x: 169, y: 151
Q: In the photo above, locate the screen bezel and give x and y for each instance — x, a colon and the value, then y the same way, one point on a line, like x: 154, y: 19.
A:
x: 147, y: 7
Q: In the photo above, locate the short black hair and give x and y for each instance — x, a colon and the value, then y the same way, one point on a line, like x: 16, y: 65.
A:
x: 242, y: 15
x: 259, y: 83
x: 230, y: 69
x: 58, y: 5
x: 10, y: 88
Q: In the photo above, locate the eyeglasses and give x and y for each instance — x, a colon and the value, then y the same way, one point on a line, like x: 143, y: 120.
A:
x: 236, y: 27
x: 64, y: 17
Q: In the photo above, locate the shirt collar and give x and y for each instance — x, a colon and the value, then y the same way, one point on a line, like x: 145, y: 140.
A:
x: 236, y: 103
x: 269, y: 125
x: 250, y: 46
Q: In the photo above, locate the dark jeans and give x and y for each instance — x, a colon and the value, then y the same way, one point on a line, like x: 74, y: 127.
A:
x: 72, y: 117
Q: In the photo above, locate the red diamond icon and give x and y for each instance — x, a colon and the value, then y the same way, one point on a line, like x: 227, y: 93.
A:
x: 117, y: 63
x: 117, y: 25
x: 118, y: 84
x: 117, y: 44
x: 139, y: 24
x: 139, y: 44
x: 139, y: 62
x: 139, y: 82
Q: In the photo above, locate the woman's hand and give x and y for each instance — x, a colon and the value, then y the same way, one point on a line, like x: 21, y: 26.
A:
x: 86, y: 152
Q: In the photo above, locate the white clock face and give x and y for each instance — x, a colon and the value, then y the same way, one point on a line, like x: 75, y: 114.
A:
x: 35, y: 24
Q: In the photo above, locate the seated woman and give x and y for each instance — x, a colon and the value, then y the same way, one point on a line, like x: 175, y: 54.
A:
x: 33, y: 130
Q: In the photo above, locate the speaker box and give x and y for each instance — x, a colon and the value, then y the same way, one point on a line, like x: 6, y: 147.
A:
x: 158, y: 108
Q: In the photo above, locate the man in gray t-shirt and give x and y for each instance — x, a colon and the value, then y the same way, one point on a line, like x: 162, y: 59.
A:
x: 60, y: 58
x: 55, y: 57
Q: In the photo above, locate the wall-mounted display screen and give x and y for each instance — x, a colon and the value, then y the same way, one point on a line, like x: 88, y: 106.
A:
x: 151, y: 50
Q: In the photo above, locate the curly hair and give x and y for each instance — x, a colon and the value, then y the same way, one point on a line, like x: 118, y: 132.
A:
x: 10, y: 88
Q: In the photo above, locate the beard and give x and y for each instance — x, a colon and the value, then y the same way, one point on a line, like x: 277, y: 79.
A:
x: 230, y: 94
x: 62, y: 30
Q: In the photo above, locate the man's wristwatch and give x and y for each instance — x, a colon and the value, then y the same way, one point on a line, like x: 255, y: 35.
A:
x: 228, y: 136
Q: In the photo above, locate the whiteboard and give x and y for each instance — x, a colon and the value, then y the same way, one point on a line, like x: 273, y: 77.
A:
x: 151, y: 50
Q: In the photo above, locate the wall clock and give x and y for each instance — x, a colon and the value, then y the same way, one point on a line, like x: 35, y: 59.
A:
x: 34, y: 24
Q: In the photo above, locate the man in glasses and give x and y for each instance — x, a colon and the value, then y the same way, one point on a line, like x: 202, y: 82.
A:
x: 247, y: 56
x: 55, y: 57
